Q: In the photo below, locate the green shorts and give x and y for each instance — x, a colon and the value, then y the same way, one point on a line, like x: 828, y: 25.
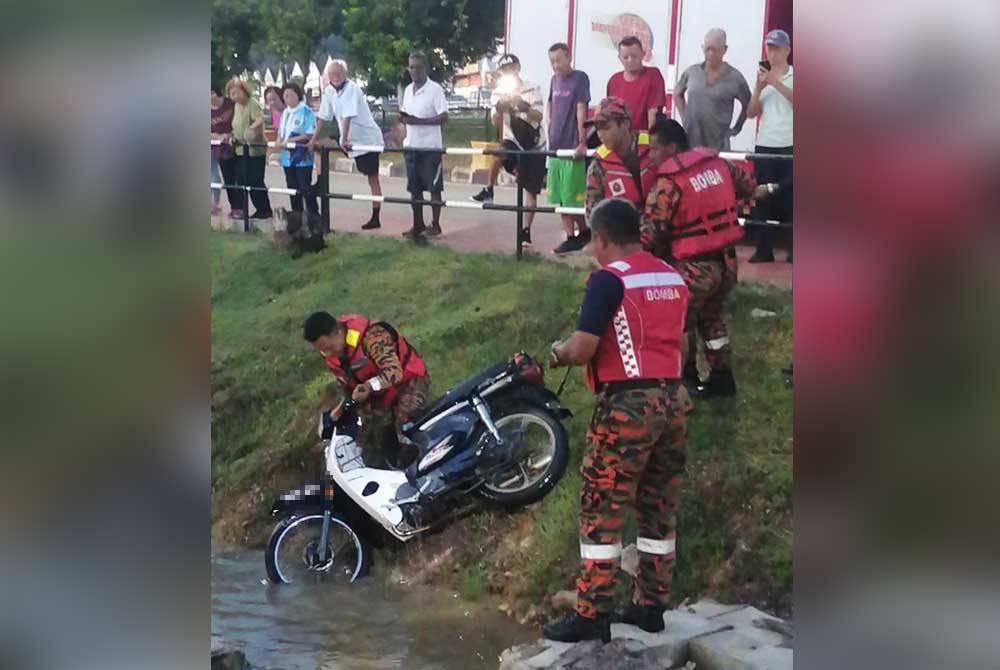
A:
x: 567, y: 182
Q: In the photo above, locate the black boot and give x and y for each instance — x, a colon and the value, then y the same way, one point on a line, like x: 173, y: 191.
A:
x: 719, y: 383
x: 646, y: 617
x: 575, y: 628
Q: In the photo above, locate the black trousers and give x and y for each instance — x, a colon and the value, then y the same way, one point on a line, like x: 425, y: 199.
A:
x: 300, y: 178
x: 251, y: 173
x: 777, y: 206
x: 228, y: 168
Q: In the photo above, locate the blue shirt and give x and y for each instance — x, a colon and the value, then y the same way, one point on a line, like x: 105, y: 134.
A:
x: 298, y: 120
x: 601, y: 300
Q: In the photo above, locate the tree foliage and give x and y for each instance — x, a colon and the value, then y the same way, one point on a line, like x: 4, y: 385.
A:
x: 376, y: 36
x: 381, y: 34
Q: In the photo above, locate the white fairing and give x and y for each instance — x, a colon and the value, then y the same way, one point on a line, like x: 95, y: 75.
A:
x: 343, y: 462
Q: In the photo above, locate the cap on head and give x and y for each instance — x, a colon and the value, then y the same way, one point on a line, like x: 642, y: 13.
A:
x: 508, y: 60
x: 778, y: 38
x: 609, y: 109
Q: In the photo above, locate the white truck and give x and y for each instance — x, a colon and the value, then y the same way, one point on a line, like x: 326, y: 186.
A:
x: 671, y: 30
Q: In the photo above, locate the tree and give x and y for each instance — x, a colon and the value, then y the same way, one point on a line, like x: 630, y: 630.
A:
x: 293, y: 28
x: 380, y: 34
x: 236, y: 28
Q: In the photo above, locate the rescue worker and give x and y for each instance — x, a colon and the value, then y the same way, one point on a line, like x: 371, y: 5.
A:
x: 630, y: 337
x: 373, y: 363
x: 690, y: 221
x: 621, y: 167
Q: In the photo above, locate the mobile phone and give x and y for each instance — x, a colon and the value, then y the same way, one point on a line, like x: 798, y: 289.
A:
x: 765, y: 64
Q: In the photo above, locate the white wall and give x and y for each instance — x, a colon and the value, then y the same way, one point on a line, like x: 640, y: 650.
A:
x: 743, y: 21
x: 600, y: 25
x: 535, y: 25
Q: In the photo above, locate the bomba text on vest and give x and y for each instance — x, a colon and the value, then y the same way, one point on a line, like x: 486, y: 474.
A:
x: 665, y: 293
x: 705, y: 179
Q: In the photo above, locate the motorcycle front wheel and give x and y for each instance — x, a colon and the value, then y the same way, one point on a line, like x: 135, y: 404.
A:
x: 293, y: 551
x: 541, y: 449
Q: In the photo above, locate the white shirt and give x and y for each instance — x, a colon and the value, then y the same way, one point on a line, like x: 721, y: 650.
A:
x: 775, y: 116
x: 425, y: 102
x: 350, y: 103
x: 532, y: 94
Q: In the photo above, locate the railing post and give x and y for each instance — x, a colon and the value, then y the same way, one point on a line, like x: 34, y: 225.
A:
x: 520, y: 210
x: 246, y: 192
x: 324, y: 188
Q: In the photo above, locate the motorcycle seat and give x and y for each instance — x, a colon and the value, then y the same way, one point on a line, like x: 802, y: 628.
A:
x: 456, y: 394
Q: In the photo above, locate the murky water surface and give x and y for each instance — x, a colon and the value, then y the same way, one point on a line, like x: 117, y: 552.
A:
x: 368, y: 625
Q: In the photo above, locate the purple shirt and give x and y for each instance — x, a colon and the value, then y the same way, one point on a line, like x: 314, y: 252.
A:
x: 564, y: 94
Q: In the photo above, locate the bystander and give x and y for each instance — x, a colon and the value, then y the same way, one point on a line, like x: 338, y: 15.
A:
x: 248, y: 137
x: 706, y: 93
x: 772, y: 102
x: 640, y: 86
x: 569, y: 95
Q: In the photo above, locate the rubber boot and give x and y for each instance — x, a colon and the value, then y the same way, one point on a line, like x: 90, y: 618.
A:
x: 720, y: 383
x: 575, y: 628
x: 646, y: 617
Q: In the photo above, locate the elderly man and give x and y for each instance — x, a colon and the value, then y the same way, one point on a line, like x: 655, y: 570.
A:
x: 345, y: 100
x: 711, y: 88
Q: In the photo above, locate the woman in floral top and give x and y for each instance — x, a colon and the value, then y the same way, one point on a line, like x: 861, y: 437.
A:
x: 297, y: 125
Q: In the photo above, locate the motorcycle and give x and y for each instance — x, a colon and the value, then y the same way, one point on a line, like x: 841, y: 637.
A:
x: 496, y: 438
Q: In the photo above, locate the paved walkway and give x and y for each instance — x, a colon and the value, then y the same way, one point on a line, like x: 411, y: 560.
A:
x: 480, y: 230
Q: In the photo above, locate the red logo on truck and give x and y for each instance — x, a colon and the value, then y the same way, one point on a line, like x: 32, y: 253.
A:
x: 627, y: 25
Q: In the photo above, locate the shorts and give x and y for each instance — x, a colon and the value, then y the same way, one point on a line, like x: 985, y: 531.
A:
x: 423, y: 172
x: 531, y: 176
x: 367, y: 163
x: 567, y: 182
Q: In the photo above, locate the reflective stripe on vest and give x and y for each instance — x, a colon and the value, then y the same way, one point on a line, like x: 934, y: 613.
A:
x: 643, y: 339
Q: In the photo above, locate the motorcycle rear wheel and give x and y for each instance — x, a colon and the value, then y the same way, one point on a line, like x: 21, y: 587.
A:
x: 541, y: 462
x: 293, y: 551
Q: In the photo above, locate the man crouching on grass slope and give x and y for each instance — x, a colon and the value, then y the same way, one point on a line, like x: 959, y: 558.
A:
x: 630, y: 338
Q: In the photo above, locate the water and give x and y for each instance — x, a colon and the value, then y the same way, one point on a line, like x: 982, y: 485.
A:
x: 370, y: 625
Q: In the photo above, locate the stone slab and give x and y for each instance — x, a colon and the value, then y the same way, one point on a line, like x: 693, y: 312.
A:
x: 506, y: 179
x: 461, y: 174
x: 743, y: 621
x: 670, y: 648
x: 343, y: 165
x: 709, y: 608
x: 548, y: 658
x: 732, y: 650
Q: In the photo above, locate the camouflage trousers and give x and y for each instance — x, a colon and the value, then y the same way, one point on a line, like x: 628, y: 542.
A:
x: 636, y: 449
x: 709, y: 283
x: 383, y: 426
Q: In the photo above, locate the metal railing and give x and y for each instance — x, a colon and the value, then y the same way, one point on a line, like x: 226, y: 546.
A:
x: 325, y: 194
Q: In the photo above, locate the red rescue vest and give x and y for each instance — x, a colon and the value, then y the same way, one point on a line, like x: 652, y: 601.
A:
x: 706, y: 219
x: 643, y: 340
x: 355, y: 368
x: 618, y: 179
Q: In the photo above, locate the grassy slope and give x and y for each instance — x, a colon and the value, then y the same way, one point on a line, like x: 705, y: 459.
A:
x: 464, y: 312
